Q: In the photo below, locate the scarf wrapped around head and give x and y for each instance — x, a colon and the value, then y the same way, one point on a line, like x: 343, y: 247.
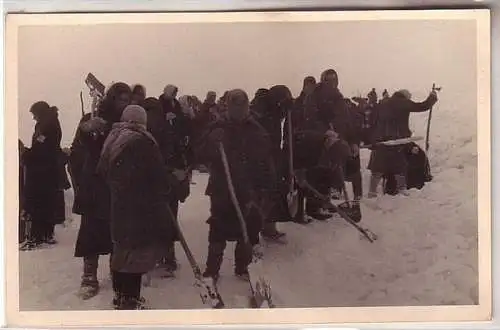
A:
x: 131, y: 127
x: 186, y: 106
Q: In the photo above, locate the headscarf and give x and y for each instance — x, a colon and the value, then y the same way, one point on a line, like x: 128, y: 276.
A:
x: 185, y: 102
x: 170, y: 90
x: 132, y: 126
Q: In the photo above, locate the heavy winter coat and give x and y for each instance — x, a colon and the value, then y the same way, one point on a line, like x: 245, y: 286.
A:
x: 248, y: 150
x: 91, y: 193
x: 140, y: 221
x: 43, y: 171
x: 333, y: 112
x: 176, y: 149
x: 392, y: 122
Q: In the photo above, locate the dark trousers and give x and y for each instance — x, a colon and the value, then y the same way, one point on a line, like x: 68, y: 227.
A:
x: 321, y: 180
x: 127, y: 285
x: 357, y: 185
x: 242, y: 257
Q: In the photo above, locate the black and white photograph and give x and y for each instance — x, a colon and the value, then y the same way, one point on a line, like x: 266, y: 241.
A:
x: 285, y: 163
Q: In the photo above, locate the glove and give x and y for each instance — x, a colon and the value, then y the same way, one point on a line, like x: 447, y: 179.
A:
x: 217, y: 135
x: 433, y: 97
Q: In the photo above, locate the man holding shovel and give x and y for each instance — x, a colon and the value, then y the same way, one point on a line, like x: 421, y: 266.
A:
x: 249, y: 155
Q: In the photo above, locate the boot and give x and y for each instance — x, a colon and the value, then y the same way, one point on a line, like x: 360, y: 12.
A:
x: 242, y: 258
x: 89, y: 286
x: 374, y: 182
x: 270, y: 232
x: 401, y: 185
x: 130, y: 303
x: 168, y: 264
x: 214, y: 259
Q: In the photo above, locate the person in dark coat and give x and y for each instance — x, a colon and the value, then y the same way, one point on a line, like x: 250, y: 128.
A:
x: 178, y: 155
x: 92, y: 200
x: 23, y: 235
x: 392, y: 122
x: 132, y: 166
x: 138, y: 94
x: 208, y: 113
x: 249, y: 154
x: 43, y: 168
x: 332, y: 113
x: 316, y: 156
x: 270, y: 113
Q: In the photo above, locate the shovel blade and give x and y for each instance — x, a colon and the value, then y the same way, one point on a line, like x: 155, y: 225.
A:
x: 293, y: 203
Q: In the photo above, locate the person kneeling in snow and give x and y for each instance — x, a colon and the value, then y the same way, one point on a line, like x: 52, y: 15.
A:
x: 317, y: 156
x: 248, y: 150
x: 132, y: 166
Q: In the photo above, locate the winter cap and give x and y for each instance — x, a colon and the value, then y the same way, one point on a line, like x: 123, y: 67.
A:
x: 170, y: 90
x: 134, y: 114
x: 237, y: 98
x: 327, y: 73
x: 309, y: 80
x: 138, y: 88
x: 405, y: 93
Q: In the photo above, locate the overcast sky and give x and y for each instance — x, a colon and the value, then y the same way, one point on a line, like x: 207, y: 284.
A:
x: 197, y: 57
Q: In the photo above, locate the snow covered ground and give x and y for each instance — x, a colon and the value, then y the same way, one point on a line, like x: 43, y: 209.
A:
x: 426, y: 252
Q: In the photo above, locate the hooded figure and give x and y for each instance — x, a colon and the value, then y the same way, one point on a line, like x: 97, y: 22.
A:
x: 138, y: 94
x: 333, y: 113
x: 186, y: 103
x: 248, y: 150
x: 133, y: 168
x: 43, y: 176
x: 276, y: 103
x: 178, y: 157
x: 92, y: 196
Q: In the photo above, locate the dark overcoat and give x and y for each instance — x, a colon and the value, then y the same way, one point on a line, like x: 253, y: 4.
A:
x: 140, y: 220
x: 248, y: 150
x: 392, y: 122
x: 91, y: 193
x: 43, y: 168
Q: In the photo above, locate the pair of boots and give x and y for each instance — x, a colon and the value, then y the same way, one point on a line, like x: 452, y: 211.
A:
x: 39, y: 234
x: 376, y: 178
x: 168, y: 263
x: 242, y: 258
x: 89, y: 286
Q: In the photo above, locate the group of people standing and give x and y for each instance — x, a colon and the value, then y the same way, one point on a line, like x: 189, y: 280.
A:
x: 131, y: 164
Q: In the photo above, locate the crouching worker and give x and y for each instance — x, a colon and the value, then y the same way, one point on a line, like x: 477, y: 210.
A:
x: 317, y: 157
x: 248, y: 151
x: 132, y: 166
x: 418, y: 171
